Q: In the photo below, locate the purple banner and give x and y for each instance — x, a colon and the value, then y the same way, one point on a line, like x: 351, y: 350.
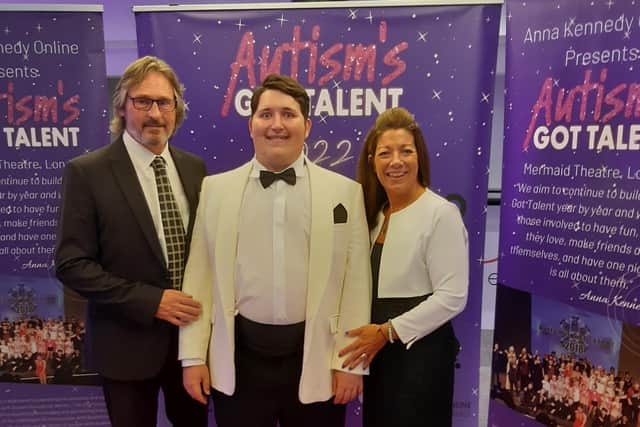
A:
x: 53, y: 107
x: 438, y: 62
x: 569, y: 218
x: 572, y: 148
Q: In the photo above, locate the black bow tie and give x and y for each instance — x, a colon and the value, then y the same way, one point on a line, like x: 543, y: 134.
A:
x: 267, y: 178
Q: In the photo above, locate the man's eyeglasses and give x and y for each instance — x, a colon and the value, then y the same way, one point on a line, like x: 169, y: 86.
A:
x: 145, y: 104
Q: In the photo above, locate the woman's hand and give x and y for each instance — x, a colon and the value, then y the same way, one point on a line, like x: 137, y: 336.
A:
x: 369, y: 340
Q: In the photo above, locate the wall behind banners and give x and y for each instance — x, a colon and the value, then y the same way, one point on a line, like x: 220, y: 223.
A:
x: 355, y: 63
x: 50, y: 111
x: 569, y: 215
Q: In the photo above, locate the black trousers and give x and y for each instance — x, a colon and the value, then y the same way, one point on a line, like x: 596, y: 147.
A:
x: 135, y: 403
x: 268, y: 368
x: 414, y: 387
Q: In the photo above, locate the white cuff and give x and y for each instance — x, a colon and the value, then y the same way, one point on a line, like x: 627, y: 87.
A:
x: 192, y: 362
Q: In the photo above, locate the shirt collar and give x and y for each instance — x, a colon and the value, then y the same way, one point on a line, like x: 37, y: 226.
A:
x: 140, y: 155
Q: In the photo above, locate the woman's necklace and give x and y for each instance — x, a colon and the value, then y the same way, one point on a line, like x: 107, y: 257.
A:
x: 383, y: 229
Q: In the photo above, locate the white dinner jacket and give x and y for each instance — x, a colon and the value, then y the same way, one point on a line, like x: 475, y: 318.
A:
x: 339, y: 282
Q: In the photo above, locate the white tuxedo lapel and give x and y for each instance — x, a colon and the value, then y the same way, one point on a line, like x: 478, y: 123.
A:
x: 321, y: 239
x: 226, y: 243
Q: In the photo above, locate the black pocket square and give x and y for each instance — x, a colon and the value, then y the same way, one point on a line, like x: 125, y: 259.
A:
x: 339, y: 214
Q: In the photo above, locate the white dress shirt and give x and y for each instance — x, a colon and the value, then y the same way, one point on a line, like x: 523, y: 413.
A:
x: 425, y: 252
x: 272, y: 262
x: 141, y: 159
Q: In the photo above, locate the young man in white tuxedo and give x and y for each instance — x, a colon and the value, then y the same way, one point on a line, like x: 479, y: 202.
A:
x: 279, y: 261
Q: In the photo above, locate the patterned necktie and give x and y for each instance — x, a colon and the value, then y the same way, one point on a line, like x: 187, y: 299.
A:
x: 171, y: 223
x: 267, y: 177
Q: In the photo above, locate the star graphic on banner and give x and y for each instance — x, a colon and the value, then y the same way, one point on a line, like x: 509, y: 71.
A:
x: 485, y: 97
x: 627, y: 35
x: 422, y: 37
x: 323, y: 118
x: 336, y: 85
x: 474, y: 391
x: 197, y: 38
x: 487, y: 19
x: 240, y: 25
x: 25, y: 57
x: 282, y: 20
x: 7, y: 30
x: 509, y: 16
x: 610, y: 3
x: 575, y: 285
x: 353, y: 13
x: 436, y: 94
x: 369, y: 18
x: 556, y: 82
x: 572, y: 20
x: 39, y: 27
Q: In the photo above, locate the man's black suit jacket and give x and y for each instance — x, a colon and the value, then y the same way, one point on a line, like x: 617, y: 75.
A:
x: 108, y: 251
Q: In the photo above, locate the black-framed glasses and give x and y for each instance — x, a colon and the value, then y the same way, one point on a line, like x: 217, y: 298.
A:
x: 145, y: 104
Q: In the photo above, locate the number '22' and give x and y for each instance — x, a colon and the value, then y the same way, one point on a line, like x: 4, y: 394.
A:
x: 322, y: 146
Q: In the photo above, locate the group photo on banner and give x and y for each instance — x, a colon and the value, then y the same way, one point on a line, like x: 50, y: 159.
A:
x: 566, y: 349
x: 53, y: 107
x: 437, y: 62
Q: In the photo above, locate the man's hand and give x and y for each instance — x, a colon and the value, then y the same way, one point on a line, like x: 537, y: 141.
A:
x: 346, y: 386
x: 178, y: 308
x: 196, y: 381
